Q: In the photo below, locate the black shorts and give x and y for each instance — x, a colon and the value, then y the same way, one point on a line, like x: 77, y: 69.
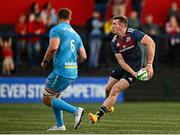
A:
x: 119, y: 73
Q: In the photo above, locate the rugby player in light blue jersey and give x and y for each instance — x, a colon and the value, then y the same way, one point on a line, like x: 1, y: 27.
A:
x: 67, y: 50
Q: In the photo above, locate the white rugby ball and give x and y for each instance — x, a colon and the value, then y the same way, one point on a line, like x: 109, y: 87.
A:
x: 142, y: 75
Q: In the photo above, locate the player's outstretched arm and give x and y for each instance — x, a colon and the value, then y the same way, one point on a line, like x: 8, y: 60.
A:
x: 148, y: 41
x: 51, y: 51
x: 82, y: 55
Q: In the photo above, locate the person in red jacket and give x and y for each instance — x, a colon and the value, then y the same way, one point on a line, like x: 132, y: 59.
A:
x: 35, y: 28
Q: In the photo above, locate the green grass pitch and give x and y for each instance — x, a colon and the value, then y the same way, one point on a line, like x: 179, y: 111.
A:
x: 128, y: 118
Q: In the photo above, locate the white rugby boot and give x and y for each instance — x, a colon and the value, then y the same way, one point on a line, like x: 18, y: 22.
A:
x: 55, y: 128
x: 77, y: 117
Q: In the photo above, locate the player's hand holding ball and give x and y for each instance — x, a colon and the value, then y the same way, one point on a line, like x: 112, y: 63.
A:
x: 150, y: 70
x: 146, y: 73
x: 134, y: 74
x: 143, y: 75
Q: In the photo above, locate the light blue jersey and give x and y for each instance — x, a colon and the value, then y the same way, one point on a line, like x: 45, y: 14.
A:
x: 65, y: 60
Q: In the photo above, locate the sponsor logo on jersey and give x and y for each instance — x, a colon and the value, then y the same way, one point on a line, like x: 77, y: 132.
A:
x: 70, y: 65
x: 125, y: 49
x: 69, y: 29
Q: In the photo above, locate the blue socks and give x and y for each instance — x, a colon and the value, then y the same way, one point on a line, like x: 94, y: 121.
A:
x: 58, y: 106
x: 62, y: 105
x: 59, y: 117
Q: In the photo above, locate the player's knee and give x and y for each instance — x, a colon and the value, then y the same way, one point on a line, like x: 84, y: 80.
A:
x: 47, y: 100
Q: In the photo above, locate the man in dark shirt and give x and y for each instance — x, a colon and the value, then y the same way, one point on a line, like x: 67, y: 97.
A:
x: 128, y: 54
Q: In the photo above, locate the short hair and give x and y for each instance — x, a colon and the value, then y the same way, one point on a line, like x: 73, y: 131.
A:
x: 121, y: 18
x: 64, y: 13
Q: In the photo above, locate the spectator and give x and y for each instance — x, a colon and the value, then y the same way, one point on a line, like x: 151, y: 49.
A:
x: 101, y: 7
x: 137, y: 6
x: 174, y: 11
x: 89, y: 26
x: 119, y: 7
x: 172, y: 29
x: 152, y: 30
x: 34, y: 9
x: 133, y: 20
x: 35, y: 27
x: 150, y: 27
x: 95, y: 40
x: 8, y: 64
x: 49, y: 15
x: 21, y: 29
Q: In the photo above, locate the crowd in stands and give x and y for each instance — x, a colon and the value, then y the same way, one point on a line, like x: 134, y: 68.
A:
x: 35, y: 22
x: 29, y: 47
x: 38, y: 21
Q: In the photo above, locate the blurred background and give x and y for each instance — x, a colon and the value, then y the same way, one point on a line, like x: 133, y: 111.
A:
x: 24, y: 28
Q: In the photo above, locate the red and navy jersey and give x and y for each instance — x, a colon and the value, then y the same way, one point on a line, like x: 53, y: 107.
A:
x: 128, y: 47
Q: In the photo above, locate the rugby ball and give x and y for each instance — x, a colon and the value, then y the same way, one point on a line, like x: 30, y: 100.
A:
x: 142, y: 75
